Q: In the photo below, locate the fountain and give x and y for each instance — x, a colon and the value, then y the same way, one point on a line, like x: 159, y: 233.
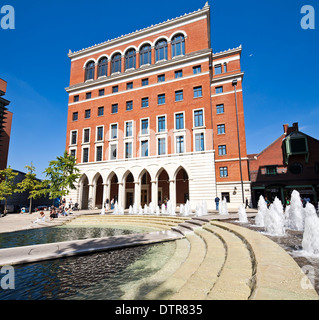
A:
x: 145, y: 209
x: 140, y: 210
x: 163, y: 209
x: 134, y: 208
x: 130, y: 210
x: 157, y: 210
x: 295, y: 220
x: 223, y: 207
x: 274, y: 219
x: 310, y: 241
x: 242, y: 214
x: 103, y: 211
x: 198, y: 211
x: 187, y: 209
x: 151, y: 208
x: 262, y: 208
x: 181, y: 209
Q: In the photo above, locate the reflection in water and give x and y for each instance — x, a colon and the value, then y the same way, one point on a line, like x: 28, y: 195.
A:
x: 104, y: 275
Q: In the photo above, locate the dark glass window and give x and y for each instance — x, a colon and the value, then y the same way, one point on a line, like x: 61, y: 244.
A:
x: 161, y: 124
x: 116, y: 63
x: 161, y: 50
x: 218, y: 69
x: 179, y: 95
x: 178, y: 74
x: 161, y: 78
x: 101, y: 92
x: 129, y: 129
x: 220, y: 129
x: 271, y: 170
x: 180, y: 144
x: 115, y: 89
x: 144, y: 102
x: 199, y: 142
x: 128, y: 150
x: 197, y: 69
x: 99, y: 133
x: 145, y: 82
x: 100, y: 111
x: 87, y: 114
x: 74, y: 136
x: 73, y: 153
x: 75, y: 116
x: 88, y: 95
x: 161, y: 146
x: 99, y: 153
x: 198, y: 92
x: 114, y: 131
x: 86, y: 136
x: 90, y: 70
x: 145, y: 55
x: 113, y: 151
x: 144, y: 151
x: 130, y: 59
x: 129, y: 105
x: 222, y: 150
x: 198, y: 118
x: 225, y: 67
x: 178, y: 45
x: 179, y: 119
x: 76, y: 98
x: 129, y: 85
x: 102, y: 67
x: 85, y: 154
x: 114, y: 108
x: 220, y: 109
x: 223, y: 172
x: 161, y: 98
x: 219, y: 89
x: 144, y: 125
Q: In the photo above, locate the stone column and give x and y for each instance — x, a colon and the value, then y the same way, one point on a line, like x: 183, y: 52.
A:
x: 137, y: 193
x: 172, y: 192
x: 154, y: 193
x: 120, y: 195
x: 91, y: 201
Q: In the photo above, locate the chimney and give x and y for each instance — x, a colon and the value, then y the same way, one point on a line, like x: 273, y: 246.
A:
x: 285, y: 129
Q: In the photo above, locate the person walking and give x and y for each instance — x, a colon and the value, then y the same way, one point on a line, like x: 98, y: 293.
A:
x: 247, y: 204
x: 217, y: 203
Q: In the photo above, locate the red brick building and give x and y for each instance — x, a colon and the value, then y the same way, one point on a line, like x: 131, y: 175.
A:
x: 5, y: 125
x: 290, y: 163
x: 152, y: 115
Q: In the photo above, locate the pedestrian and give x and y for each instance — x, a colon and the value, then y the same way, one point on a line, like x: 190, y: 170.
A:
x: 217, y: 203
x: 247, y: 204
x: 70, y: 204
x: 112, y: 204
x: 267, y: 202
x: 107, y: 201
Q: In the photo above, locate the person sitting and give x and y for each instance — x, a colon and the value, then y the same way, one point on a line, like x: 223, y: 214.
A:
x: 41, y: 218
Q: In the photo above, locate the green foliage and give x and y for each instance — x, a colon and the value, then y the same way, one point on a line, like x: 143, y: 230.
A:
x: 30, y: 183
x: 7, y: 185
x: 61, y: 176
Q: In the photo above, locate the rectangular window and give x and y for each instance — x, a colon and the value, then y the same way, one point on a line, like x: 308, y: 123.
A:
x: 220, y: 109
x: 222, y: 150
x: 220, y: 129
x: 99, y: 153
x: 144, y: 102
x: 86, y: 136
x: 128, y: 150
x: 144, y: 148
x: 74, y: 135
x: 219, y: 90
x: 99, y: 134
x: 223, y: 172
x: 129, y: 129
x: 198, y: 118
x: 180, y: 144
x: 73, y: 153
x: 179, y: 121
x: 178, y: 74
x: 129, y: 105
x: 179, y: 95
x: 144, y: 82
x: 76, y: 98
x: 144, y: 125
x: 100, y: 111
x: 225, y: 67
x: 218, y: 69
x: 161, y: 124
x: 161, y: 99
x: 75, y: 116
x: 129, y: 85
x: 161, y: 146
x: 115, y: 89
x: 198, y: 92
x: 101, y: 92
x: 88, y: 95
x: 113, y: 155
x: 161, y: 78
x: 114, y: 131
x: 85, y: 155
x: 197, y: 69
x: 87, y: 114
x: 271, y: 170
x: 226, y: 196
x: 199, y: 142
x: 114, y: 108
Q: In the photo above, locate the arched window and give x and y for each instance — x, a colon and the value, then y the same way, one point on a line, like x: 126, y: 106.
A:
x: 130, y: 59
x: 146, y: 55
x: 161, y: 50
x: 178, y: 45
x: 102, y: 67
x: 116, y: 63
x: 90, y: 70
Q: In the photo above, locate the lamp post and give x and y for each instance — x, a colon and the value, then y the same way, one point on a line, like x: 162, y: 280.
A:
x: 241, y: 174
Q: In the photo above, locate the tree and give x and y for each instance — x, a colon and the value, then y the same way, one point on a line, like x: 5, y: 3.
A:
x: 7, y: 185
x: 30, y: 183
x: 61, y: 176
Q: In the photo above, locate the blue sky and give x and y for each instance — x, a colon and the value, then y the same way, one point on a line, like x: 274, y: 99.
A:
x: 279, y: 58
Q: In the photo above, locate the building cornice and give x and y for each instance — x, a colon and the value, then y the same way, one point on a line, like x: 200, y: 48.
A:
x: 228, y: 52
x: 204, y: 12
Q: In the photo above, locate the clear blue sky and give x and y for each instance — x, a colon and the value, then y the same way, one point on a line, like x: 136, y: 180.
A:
x: 279, y: 58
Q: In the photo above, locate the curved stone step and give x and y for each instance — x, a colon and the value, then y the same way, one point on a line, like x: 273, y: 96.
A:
x: 144, y: 286
x: 203, y: 279
x: 277, y: 276
x: 234, y: 282
x: 177, y: 280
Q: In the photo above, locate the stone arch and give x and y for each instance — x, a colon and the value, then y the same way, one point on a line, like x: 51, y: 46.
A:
x: 84, y: 192
x: 181, y: 178
x: 163, y: 190
x: 128, y: 183
x: 98, y: 190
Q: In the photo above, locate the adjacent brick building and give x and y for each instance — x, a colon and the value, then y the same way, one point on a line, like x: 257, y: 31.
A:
x: 290, y: 163
x: 152, y: 115
x: 5, y: 125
